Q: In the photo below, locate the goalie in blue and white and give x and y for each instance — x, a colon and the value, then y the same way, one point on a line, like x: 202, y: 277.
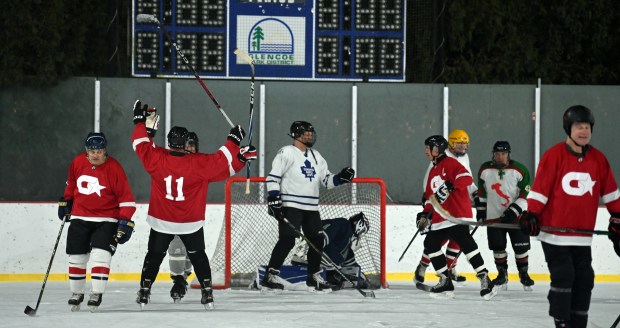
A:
x: 342, y: 239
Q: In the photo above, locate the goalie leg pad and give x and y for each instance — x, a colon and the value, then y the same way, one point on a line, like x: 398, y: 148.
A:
x: 100, y: 271
x: 177, y: 257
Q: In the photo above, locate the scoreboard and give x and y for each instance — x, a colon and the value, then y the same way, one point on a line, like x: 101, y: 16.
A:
x: 343, y: 40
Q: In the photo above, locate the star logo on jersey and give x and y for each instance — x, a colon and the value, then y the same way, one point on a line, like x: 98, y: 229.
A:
x: 88, y: 185
x: 578, y: 183
x: 307, y: 170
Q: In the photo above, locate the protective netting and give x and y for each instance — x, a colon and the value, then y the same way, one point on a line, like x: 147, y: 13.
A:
x: 254, y: 233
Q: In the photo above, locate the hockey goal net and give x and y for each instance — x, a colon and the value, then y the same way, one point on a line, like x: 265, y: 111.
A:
x: 249, y: 234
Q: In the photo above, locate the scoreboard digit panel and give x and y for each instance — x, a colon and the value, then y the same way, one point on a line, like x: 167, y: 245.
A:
x: 288, y: 39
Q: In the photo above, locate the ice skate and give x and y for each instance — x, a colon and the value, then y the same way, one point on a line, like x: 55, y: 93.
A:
x: 94, y: 301
x: 443, y: 289
x: 270, y: 281
x: 316, y: 283
x: 487, y: 290
x: 207, y: 298
x: 454, y: 276
x: 418, y: 275
x: 144, y: 294
x: 75, y: 301
x: 501, y: 281
x: 526, y: 281
x: 179, y: 288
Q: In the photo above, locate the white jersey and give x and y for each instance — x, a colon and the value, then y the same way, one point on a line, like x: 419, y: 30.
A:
x: 501, y: 187
x: 297, y: 176
x: 464, y: 160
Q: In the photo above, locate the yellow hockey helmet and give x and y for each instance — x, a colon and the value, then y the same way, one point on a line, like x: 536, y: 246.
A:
x: 457, y: 136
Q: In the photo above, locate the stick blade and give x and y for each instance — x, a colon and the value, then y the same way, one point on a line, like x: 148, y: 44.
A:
x: 244, y: 55
x: 30, y: 311
x: 370, y: 294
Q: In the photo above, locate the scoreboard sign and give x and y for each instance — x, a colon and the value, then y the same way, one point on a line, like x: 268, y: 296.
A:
x: 288, y: 39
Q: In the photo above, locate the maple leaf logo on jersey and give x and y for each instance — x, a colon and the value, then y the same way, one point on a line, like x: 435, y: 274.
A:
x: 577, y: 183
x: 87, y: 185
x: 307, y: 170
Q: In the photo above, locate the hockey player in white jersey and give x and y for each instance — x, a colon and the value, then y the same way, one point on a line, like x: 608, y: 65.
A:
x: 504, y: 184
x: 458, y: 145
x: 297, y: 172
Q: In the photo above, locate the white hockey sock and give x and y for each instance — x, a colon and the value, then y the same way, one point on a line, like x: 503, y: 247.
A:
x: 101, y: 269
x: 77, y: 272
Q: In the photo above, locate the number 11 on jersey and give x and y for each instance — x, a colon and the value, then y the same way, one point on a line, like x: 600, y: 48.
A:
x: 179, y: 183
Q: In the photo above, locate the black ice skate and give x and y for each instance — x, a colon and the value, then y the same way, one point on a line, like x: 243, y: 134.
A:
x: 316, y: 283
x: 94, y: 301
x: 444, y: 289
x: 501, y: 281
x: 207, y: 295
x: 270, y: 280
x: 75, y: 301
x: 179, y: 288
x: 418, y: 275
x: 487, y: 290
x: 526, y: 281
x: 454, y: 276
x: 144, y: 294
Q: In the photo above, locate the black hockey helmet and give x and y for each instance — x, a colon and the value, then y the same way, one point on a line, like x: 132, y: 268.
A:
x: 177, y: 137
x: 192, y: 140
x: 437, y: 141
x: 95, y: 140
x: 359, y: 224
x: 298, y: 128
x: 501, y: 146
x: 577, y: 113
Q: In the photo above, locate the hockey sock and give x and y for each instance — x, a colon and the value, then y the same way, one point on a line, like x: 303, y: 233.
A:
x: 77, y: 272
x: 201, y: 264
x: 522, y: 261
x: 501, y: 258
x: 101, y: 269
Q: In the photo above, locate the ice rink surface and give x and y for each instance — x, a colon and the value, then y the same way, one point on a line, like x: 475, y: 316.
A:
x: 402, y: 305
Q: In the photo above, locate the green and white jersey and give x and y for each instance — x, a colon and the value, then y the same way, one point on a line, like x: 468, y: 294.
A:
x: 501, y: 187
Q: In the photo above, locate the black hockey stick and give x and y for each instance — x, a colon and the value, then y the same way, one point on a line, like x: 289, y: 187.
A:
x: 494, y: 224
x: 30, y: 311
x: 250, y: 61
x: 150, y: 19
x: 328, y: 260
x: 615, y: 324
x: 411, y: 241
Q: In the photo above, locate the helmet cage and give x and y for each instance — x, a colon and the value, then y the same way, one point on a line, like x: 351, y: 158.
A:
x: 359, y: 224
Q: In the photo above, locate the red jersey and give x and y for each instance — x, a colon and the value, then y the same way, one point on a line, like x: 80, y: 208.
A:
x: 99, y: 193
x: 179, y: 183
x: 566, y: 193
x: 458, y: 204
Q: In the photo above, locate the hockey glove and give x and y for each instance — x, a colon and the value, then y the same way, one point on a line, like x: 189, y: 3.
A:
x: 423, y: 222
x: 529, y: 223
x: 64, y: 208
x: 511, y: 214
x: 346, y: 175
x: 236, y: 134
x: 247, y: 153
x: 614, y: 231
x: 152, y: 122
x: 275, y: 207
x: 481, y: 209
x: 124, y: 231
x: 444, y: 191
x: 139, y: 112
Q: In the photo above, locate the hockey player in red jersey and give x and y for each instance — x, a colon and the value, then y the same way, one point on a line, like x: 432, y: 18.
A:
x: 179, y: 186
x: 572, y: 176
x: 99, y: 202
x: 448, y: 181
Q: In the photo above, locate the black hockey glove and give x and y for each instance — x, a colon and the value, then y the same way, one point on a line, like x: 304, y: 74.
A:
x: 124, y: 231
x: 614, y: 231
x: 423, y: 222
x: 481, y: 209
x: 236, y: 134
x: 139, y: 112
x: 511, y: 214
x: 529, y: 223
x: 64, y: 208
x: 247, y: 153
x: 444, y: 191
x: 346, y: 175
x: 274, y: 204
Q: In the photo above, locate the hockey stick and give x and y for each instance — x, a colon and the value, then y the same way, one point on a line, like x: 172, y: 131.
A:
x: 494, y: 224
x: 328, y: 260
x: 151, y: 19
x: 615, y: 324
x: 250, y: 61
x: 411, y: 241
x: 30, y: 311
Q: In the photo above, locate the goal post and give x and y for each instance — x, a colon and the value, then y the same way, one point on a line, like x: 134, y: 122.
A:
x: 249, y: 234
